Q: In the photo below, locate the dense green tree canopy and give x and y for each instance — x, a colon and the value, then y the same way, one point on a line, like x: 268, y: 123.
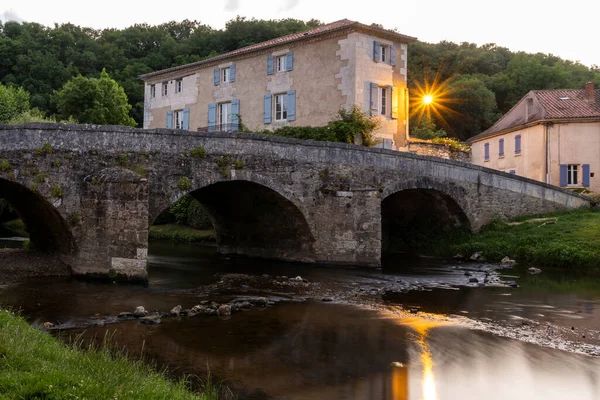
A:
x: 13, y: 102
x: 94, y: 101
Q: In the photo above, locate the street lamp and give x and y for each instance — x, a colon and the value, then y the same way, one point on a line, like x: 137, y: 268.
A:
x: 427, y: 99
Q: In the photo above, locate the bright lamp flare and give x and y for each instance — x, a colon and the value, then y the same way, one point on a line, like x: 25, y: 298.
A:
x: 428, y: 99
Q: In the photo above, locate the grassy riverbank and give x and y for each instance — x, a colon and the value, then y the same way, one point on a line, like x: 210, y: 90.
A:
x: 13, y: 228
x: 181, y: 234
x: 35, y: 365
x: 565, y: 240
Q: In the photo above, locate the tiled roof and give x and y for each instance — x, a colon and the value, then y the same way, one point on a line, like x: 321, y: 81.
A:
x: 314, y: 32
x: 568, y: 103
x: 548, y: 105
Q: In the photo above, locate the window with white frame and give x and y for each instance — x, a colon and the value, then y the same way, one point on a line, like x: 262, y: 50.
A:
x: 281, y: 63
x: 383, y: 101
x: 384, y: 53
x: 224, y: 117
x: 152, y: 91
x: 226, y: 75
x: 178, y: 85
x: 178, y: 115
x: 165, y: 90
x: 572, y: 174
x: 281, y: 107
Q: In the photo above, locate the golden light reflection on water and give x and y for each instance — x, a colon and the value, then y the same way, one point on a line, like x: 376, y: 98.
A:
x: 422, y: 327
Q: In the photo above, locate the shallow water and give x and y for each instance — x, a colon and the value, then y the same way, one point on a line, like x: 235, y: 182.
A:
x: 315, y: 350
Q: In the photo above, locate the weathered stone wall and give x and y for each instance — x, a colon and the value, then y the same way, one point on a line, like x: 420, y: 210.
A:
x: 328, y: 194
x: 424, y: 148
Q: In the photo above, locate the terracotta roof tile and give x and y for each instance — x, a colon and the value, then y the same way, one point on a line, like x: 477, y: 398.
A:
x: 317, y: 31
x: 560, y: 104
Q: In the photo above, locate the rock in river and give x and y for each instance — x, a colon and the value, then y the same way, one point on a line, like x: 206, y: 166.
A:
x: 224, y: 310
x: 176, y: 310
x: 140, y: 312
x: 150, y: 320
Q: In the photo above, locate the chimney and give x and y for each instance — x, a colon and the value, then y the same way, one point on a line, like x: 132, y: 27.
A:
x: 590, y: 96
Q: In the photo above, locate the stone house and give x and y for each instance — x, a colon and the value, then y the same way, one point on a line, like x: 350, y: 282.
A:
x: 552, y: 136
x: 302, y: 79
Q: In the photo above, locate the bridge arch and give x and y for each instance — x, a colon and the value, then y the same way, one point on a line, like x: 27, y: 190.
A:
x: 254, y: 217
x: 414, y: 210
x: 48, y: 230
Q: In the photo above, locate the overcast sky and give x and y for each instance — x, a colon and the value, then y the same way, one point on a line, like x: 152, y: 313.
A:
x: 564, y: 28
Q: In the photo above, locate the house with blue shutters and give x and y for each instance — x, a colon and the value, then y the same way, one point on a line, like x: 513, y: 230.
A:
x: 302, y: 79
x: 552, y: 136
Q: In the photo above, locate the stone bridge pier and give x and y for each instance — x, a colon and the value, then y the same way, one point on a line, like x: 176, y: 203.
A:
x: 90, y: 193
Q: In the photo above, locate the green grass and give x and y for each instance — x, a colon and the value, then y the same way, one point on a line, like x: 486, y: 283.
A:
x: 181, y: 234
x: 572, y: 242
x: 15, y: 227
x: 35, y: 365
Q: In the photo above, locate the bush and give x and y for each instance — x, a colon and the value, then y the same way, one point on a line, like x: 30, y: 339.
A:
x: 352, y: 124
x: 197, y: 216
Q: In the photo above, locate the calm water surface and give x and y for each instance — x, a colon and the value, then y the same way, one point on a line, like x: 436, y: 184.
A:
x: 317, y: 350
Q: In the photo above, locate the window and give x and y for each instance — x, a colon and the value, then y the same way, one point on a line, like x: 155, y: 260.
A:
x: 281, y: 107
x: 281, y: 63
x: 383, y: 101
x: 178, y: 85
x: 518, y: 144
x: 178, y: 119
x: 224, y: 118
x: 572, y: 174
x: 165, y: 88
x: 384, y: 51
x: 486, y: 152
x: 152, y: 91
x: 501, y: 148
x: 226, y: 75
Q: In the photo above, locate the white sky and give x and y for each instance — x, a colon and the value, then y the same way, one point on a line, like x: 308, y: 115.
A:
x: 563, y: 28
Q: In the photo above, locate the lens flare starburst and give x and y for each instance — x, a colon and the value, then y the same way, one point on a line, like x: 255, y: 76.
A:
x: 432, y: 99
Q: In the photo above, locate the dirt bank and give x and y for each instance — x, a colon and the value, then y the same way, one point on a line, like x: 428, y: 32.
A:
x: 19, y: 264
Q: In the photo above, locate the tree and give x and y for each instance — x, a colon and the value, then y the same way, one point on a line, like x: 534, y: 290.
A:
x: 426, y: 129
x: 94, y: 101
x: 473, y: 109
x: 13, y: 102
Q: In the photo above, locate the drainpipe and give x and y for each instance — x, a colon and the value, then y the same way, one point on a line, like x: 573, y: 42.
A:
x: 547, y: 138
x: 406, y: 115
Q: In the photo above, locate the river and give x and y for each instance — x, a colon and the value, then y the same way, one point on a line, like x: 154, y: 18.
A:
x: 416, y: 331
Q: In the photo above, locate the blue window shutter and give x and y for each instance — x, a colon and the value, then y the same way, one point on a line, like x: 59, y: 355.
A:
x: 270, y: 65
x: 235, y: 114
x: 169, y: 119
x: 289, y: 62
x: 291, y: 105
x: 232, y: 73
x: 486, y: 149
x: 393, y: 56
x: 186, y: 119
x: 268, y: 108
x: 563, y: 174
x: 212, y: 117
x: 518, y: 144
x: 586, y: 175
x: 376, y: 51
x: 217, y: 76
x: 501, y: 147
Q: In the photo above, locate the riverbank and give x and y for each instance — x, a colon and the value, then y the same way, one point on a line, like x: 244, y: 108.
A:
x: 181, y: 234
x: 18, y: 264
x: 36, y: 365
x: 569, y: 240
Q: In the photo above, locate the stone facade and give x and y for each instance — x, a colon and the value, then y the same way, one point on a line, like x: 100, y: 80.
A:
x: 331, y: 70
x: 267, y: 196
x: 425, y: 148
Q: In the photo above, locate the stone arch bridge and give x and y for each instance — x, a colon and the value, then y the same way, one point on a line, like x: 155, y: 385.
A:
x: 91, y: 192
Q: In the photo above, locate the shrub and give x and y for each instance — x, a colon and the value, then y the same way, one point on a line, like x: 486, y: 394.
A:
x: 184, y: 184
x: 454, y: 144
x: 41, y: 177
x: 6, y: 166
x: 199, y: 152
x: 197, y: 216
x: 57, y: 191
